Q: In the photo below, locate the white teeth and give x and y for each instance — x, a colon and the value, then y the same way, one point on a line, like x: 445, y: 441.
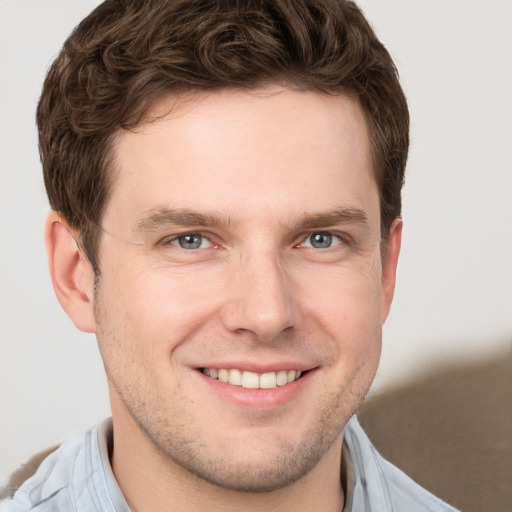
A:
x: 235, y: 377
x: 268, y: 380
x: 282, y: 378
x: 252, y: 380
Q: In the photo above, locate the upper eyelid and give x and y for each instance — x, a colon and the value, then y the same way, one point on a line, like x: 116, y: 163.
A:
x: 166, y: 242
x: 215, y: 239
x: 175, y: 236
x: 340, y: 234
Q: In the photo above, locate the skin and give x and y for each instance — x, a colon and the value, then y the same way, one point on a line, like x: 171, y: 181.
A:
x: 265, y: 169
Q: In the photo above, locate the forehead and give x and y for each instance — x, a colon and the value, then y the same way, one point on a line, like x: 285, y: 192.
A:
x: 264, y: 150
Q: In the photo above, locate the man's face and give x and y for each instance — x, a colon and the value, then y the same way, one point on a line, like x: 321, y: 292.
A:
x: 242, y: 240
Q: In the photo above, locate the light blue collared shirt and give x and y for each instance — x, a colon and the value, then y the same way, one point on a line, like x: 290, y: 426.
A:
x: 78, y: 478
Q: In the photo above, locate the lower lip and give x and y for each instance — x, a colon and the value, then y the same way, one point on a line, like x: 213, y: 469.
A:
x: 258, y: 399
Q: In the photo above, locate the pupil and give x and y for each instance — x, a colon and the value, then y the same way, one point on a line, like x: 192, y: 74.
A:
x: 321, y: 240
x: 190, y: 241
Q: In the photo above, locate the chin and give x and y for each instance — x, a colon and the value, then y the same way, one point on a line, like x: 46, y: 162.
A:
x: 261, y: 473
x: 261, y: 462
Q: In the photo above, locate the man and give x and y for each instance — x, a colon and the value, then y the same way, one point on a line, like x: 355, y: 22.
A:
x: 225, y: 187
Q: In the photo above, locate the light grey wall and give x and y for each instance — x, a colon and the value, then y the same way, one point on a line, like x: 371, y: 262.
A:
x: 454, y: 292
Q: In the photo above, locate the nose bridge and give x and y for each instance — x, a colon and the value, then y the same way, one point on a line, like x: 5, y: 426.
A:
x: 260, y: 298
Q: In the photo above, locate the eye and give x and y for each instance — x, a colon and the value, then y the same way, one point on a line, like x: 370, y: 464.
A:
x: 191, y: 241
x: 322, y: 240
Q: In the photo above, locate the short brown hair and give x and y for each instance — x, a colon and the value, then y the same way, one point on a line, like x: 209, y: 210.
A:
x: 127, y: 53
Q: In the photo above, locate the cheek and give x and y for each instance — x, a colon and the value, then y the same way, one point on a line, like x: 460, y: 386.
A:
x: 345, y: 305
x: 163, y: 305
x: 344, y: 297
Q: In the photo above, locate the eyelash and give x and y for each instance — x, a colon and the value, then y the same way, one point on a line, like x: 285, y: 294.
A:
x: 174, y: 238
x: 343, y: 239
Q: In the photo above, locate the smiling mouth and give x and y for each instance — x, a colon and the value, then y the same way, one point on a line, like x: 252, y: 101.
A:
x: 252, y: 380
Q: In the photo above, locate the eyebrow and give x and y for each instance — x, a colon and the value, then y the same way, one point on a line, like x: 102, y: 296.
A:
x: 163, y: 217
x: 333, y: 218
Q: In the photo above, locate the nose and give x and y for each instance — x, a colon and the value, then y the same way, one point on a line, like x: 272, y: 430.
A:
x: 259, y: 298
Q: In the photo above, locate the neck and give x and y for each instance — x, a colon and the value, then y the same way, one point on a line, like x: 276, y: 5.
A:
x: 152, y: 482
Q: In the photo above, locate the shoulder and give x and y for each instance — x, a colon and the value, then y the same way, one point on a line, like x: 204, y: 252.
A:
x: 42, y: 483
x: 24, y: 472
x: 382, y: 484
x: 57, y: 482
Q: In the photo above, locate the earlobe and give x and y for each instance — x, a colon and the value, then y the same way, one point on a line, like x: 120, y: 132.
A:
x: 389, y: 268
x: 71, y: 273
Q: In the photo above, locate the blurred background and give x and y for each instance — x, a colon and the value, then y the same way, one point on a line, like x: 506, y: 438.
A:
x: 441, y: 405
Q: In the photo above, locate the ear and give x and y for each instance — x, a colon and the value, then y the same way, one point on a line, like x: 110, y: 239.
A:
x: 392, y: 252
x: 71, y: 273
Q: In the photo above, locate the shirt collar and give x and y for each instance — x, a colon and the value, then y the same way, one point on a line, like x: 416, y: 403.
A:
x: 106, y: 481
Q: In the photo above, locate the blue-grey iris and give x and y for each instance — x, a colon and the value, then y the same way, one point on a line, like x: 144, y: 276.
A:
x: 191, y: 241
x: 321, y: 240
